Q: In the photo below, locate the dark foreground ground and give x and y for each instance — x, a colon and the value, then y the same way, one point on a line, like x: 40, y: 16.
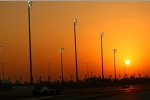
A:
x: 135, y: 92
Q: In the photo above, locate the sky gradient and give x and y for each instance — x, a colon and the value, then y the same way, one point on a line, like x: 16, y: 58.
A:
x: 125, y: 26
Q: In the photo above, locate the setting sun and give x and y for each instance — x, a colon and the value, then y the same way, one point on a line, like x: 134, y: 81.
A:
x: 127, y: 62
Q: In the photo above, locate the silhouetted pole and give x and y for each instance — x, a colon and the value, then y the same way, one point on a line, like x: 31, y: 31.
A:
x: 124, y: 70
x: 101, y: 34
x: 87, y: 70
x: 49, y: 71
x: 0, y: 47
x: 2, y: 64
x: 30, y: 50
x: 76, y: 61
x: 91, y: 74
x: 114, y: 51
x: 62, y: 73
x: 3, y: 70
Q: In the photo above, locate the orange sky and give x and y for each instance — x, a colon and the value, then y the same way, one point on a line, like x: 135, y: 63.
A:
x: 125, y: 26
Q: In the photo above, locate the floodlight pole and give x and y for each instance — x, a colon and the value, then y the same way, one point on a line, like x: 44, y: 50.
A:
x: 114, y: 51
x: 87, y: 71
x: 2, y: 66
x: 62, y: 73
x: 76, y: 61
x: 3, y: 70
x: 101, y: 34
x: 49, y: 72
x: 30, y: 49
x: 124, y: 70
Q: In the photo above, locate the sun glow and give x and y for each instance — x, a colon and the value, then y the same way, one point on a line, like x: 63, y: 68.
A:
x: 127, y: 62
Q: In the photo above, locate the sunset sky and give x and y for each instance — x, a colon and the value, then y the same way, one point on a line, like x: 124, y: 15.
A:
x: 126, y: 27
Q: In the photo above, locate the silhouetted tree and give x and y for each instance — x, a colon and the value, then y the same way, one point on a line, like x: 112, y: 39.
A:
x: 71, y: 77
x: 40, y: 79
x: 37, y: 81
x: 126, y: 76
x: 91, y: 75
x: 9, y: 78
x: 110, y: 76
x: 60, y: 78
x: 20, y: 78
x: 119, y: 76
x: 99, y: 77
x: 146, y: 76
x: 139, y: 75
x: 49, y: 78
x: 85, y: 77
x: 17, y: 82
x: 25, y: 82
x: 134, y: 75
x: 94, y: 76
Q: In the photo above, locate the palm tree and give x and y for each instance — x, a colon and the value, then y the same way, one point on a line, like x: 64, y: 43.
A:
x: 146, y: 76
x: 126, y: 76
x: 110, y: 76
x: 71, y: 77
x: 20, y: 78
x: 9, y: 78
x: 49, y: 78
x: 119, y: 76
x: 40, y: 79
x: 85, y: 77
x: 139, y: 75
x: 37, y: 81
x: 134, y: 75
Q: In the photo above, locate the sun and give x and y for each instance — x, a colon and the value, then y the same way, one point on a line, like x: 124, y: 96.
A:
x: 127, y: 62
